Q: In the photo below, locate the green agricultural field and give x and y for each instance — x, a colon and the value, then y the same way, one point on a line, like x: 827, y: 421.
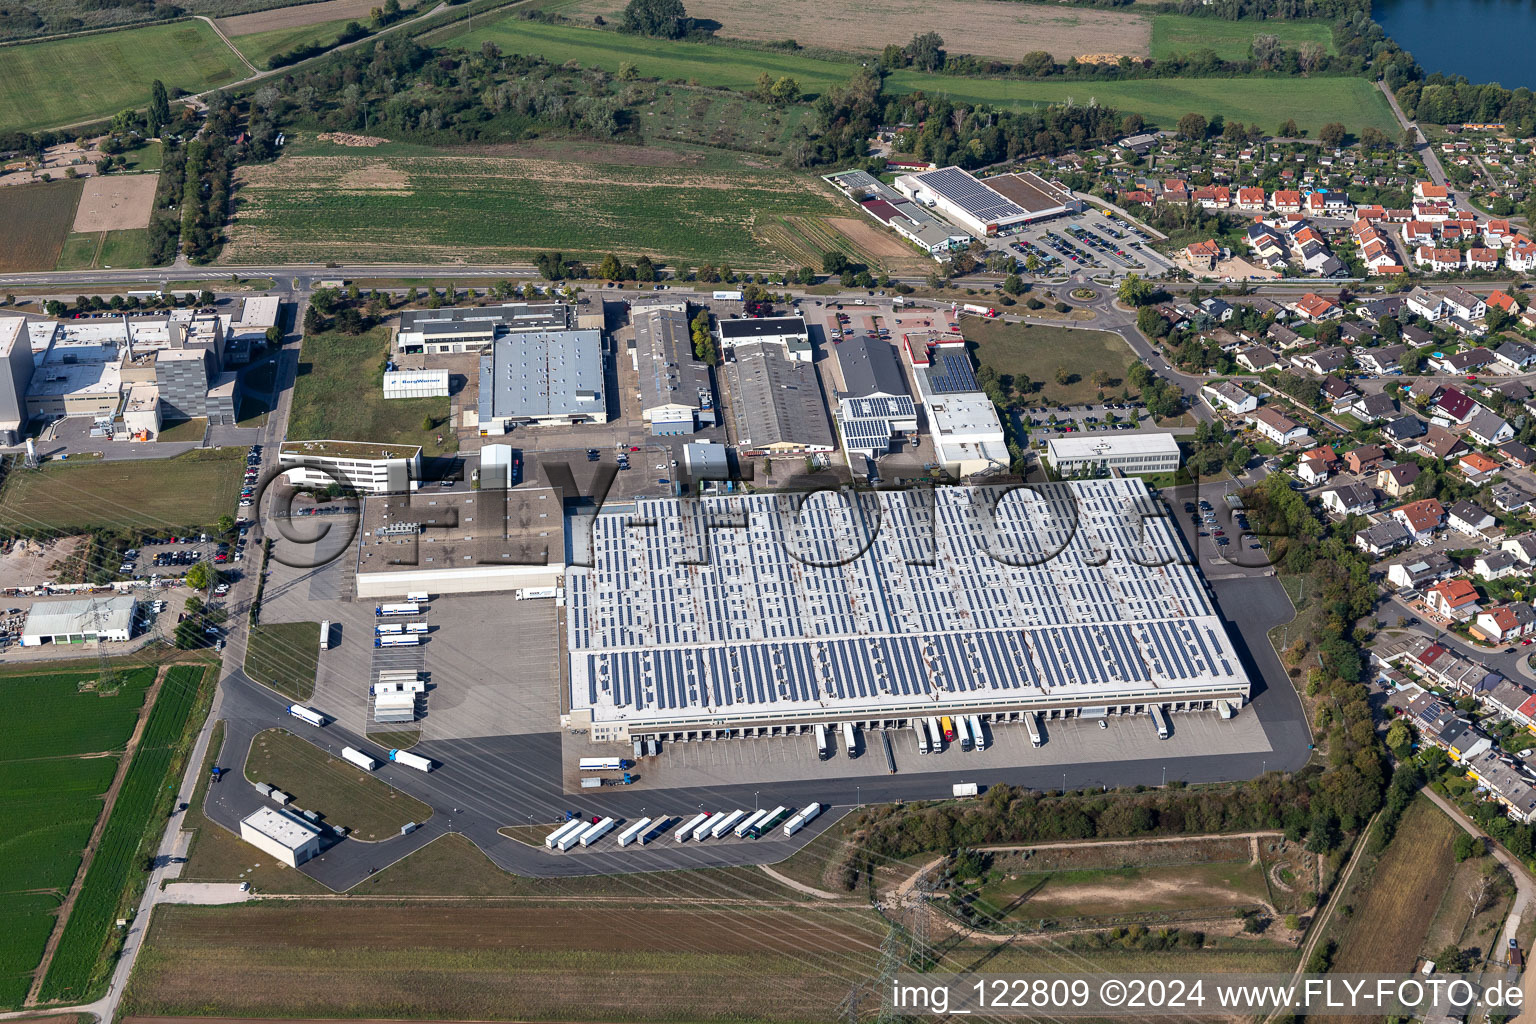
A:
x: 1178, y: 33
x: 339, y: 396
x: 1039, y: 352
x: 52, y: 779
x: 260, y: 47
x: 284, y: 656
x: 147, y: 157
x: 344, y: 794
x: 193, y: 489
x: 133, y: 828
x: 79, y: 78
x: 35, y: 220
x: 583, y: 199
x: 126, y: 247
x: 1313, y: 102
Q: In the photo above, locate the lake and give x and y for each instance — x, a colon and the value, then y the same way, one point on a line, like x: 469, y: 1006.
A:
x: 1485, y: 40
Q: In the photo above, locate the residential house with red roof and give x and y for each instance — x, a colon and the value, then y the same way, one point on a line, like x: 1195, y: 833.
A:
x: 1312, y: 306
x: 1287, y: 201
x: 1482, y: 259
x: 1452, y: 599
x: 1421, y: 518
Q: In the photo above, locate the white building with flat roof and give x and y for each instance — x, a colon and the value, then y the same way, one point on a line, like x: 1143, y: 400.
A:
x: 542, y: 378
x: 416, y: 384
x: 80, y: 621
x: 1130, y: 453
x: 964, y: 200
x: 285, y: 836
x: 361, y: 465
x: 1063, y: 599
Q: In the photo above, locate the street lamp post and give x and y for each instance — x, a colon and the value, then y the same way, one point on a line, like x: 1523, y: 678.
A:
x: 1165, y: 775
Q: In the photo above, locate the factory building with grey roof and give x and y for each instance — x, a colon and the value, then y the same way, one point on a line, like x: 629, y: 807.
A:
x: 775, y: 402
x: 880, y: 607
x: 875, y: 404
x: 676, y: 395
x: 542, y: 378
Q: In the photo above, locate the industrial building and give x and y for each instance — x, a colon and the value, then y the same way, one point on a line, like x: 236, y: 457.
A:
x: 776, y: 402
x: 542, y: 378
x: 364, y: 467
x: 416, y: 384
x: 15, y: 376
x: 285, y: 836
x: 676, y: 393
x: 500, y: 467
x: 964, y: 200
x: 1149, y: 452
x: 967, y: 435
x: 1064, y: 600
x: 460, y: 543
x: 875, y: 405
x: 789, y: 331
x: 457, y: 330
x: 901, y: 215
x: 90, y: 367
x: 81, y: 621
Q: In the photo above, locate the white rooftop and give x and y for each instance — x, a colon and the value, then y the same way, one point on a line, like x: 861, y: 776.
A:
x: 1102, y: 445
x: 89, y: 615
x: 1067, y: 593
x: 284, y: 829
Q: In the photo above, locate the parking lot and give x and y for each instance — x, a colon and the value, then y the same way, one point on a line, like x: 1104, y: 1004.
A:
x: 1086, y: 241
x: 1083, y: 419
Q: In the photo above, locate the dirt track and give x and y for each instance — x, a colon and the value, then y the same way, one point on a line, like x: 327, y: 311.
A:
x: 116, y: 201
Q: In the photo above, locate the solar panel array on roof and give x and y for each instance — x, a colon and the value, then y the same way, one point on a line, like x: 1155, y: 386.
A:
x: 951, y: 372
x: 974, y: 197
x: 742, y: 605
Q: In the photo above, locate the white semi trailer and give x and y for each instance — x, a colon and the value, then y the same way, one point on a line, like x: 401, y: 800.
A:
x: 685, y: 830
x: 576, y: 825
x: 634, y: 832
x: 721, y: 825
x: 305, y: 714
x: 850, y: 739
x: 799, y: 821
x: 597, y: 831
x: 976, y: 733
x: 410, y: 760
x: 359, y: 758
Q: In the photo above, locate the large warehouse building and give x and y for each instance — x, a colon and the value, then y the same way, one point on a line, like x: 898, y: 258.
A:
x: 964, y: 200
x: 775, y: 402
x: 676, y: 396
x: 469, y: 542
x: 1064, y: 600
x: 542, y: 378
x: 77, y: 622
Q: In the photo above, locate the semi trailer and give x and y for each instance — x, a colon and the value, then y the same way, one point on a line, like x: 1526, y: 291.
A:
x: 685, y: 830
x: 823, y: 742
x: 305, y: 714
x: 850, y: 739
x: 358, y: 758
x: 976, y: 733
x: 635, y: 831
x: 397, y: 641
x: 597, y: 831
x: 410, y: 760
x: 802, y: 819
x: 409, y: 608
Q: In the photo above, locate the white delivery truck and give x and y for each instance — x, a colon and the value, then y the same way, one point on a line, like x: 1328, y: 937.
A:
x: 963, y: 732
x: 410, y: 760
x: 922, y: 735
x: 597, y: 831
x: 634, y: 831
x: 389, y: 629
x: 397, y: 641
x: 570, y: 839
x: 799, y: 821
x: 325, y: 635
x: 1160, y: 720
x: 576, y: 825
x: 1032, y: 723
x: 850, y: 739
x: 416, y: 627
x: 685, y: 830
x: 935, y: 734
x: 823, y: 742
x: 964, y: 789
x: 723, y: 823
x: 420, y: 597
x: 409, y: 608
x: 976, y: 734
x: 358, y: 758
x: 702, y: 832
x: 305, y: 714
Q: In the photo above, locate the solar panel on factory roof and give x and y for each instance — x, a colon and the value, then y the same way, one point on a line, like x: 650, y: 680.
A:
x: 979, y: 200
x: 952, y: 373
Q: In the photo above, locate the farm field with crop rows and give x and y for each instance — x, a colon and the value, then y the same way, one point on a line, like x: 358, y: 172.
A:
x: 34, y: 222
x: 133, y: 825
x: 428, y: 205
x: 57, y: 764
